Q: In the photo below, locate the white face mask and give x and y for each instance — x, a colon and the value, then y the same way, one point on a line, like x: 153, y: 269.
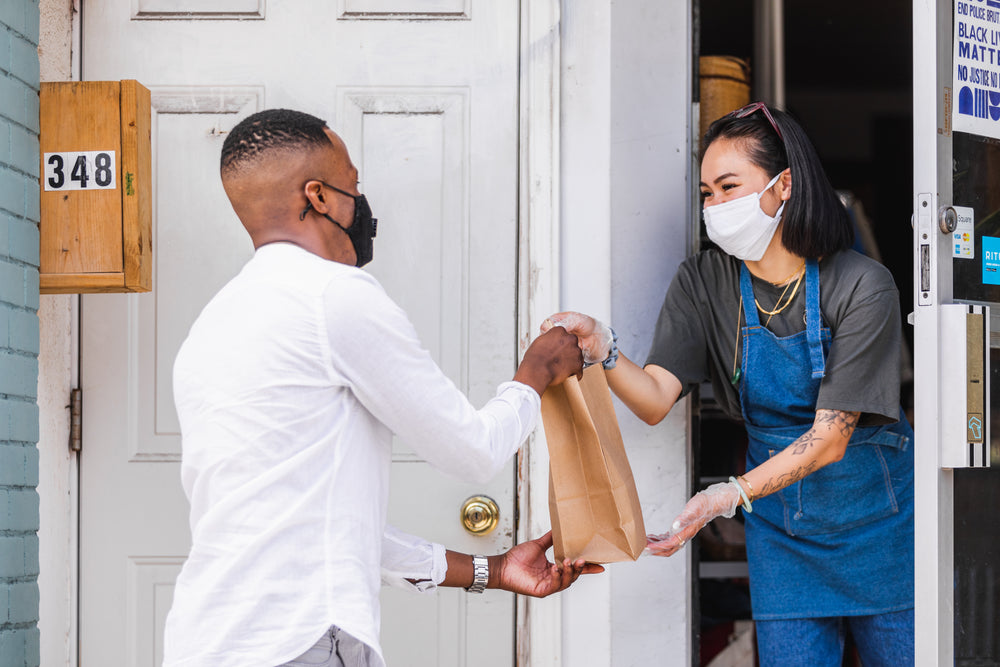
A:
x: 740, y: 227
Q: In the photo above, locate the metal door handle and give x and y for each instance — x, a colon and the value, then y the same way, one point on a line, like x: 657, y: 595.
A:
x: 480, y: 515
x: 947, y: 219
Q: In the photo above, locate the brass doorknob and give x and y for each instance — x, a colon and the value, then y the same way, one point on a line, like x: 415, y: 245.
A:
x: 480, y: 515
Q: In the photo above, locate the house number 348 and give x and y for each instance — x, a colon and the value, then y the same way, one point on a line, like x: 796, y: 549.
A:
x: 83, y: 170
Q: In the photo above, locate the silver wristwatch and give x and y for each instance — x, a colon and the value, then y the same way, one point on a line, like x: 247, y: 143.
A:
x: 480, y: 574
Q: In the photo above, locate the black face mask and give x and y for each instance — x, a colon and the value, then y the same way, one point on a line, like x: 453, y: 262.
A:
x: 362, y: 230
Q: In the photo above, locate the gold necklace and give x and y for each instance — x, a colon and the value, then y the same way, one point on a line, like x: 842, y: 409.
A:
x: 778, y: 307
x: 737, y: 372
x: 791, y: 275
x: 777, y: 304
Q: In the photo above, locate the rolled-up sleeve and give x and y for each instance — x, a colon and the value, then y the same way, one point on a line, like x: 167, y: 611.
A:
x: 410, y: 562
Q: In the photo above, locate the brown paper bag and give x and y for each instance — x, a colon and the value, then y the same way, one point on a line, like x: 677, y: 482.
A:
x: 593, y: 503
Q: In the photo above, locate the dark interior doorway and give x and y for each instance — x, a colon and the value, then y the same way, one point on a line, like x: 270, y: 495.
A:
x: 848, y: 80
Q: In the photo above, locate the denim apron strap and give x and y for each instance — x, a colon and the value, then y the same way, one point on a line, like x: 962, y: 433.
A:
x: 746, y: 293
x: 814, y: 320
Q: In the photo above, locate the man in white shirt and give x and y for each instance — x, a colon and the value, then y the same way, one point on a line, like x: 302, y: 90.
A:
x: 289, y: 388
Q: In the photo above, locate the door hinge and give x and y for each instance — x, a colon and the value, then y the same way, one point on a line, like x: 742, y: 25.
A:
x: 75, y: 420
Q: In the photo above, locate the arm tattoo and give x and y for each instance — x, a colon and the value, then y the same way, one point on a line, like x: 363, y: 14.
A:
x: 804, y: 442
x: 787, y: 478
x: 844, y: 421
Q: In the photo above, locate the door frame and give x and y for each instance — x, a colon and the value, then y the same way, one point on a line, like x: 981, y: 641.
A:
x: 538, y: 626
x: 933, y: 485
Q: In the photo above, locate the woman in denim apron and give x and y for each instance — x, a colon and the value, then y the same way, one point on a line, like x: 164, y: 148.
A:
x: 811, y: 367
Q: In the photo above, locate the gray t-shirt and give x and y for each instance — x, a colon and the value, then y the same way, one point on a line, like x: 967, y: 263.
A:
x: 696, y: 333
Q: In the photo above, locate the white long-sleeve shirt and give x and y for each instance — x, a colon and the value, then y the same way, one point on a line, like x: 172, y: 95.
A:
x: 288, y: 388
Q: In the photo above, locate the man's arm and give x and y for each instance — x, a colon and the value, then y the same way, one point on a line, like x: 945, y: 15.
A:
x: 374, y: 350
x: 415, y: 564
x: 524, y: 570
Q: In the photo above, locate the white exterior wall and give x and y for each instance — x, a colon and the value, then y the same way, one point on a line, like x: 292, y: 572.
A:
x: 651, y: 196
x: 626, y: 202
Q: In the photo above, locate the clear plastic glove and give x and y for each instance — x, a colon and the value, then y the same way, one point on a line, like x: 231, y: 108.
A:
x: 593, y: 336
x: 717, y: 500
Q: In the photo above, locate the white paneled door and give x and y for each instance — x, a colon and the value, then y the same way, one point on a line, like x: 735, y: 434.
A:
x: 424, y: 92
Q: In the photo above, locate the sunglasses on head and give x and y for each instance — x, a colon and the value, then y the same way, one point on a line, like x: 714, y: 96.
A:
x: 753, y: 108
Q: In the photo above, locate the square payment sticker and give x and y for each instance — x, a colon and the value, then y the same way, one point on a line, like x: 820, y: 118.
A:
x: 963, y: 238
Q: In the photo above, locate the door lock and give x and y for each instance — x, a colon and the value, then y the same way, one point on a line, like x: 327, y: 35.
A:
x: 947, y: 219
x: 480, y: 515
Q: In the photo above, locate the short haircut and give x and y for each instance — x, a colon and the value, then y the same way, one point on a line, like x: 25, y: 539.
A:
x: 272, y: 129
x: 816, y: 224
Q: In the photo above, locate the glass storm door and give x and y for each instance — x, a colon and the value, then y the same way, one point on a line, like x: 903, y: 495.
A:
x: 956, y: 221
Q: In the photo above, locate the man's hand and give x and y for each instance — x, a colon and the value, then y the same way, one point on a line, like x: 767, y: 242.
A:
x: 594, y: 338
x: 525, y: 569
x: 551, y: 358
x: 717, y: 500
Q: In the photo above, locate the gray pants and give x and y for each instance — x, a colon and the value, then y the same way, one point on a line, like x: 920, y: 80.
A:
x: 335, y: 648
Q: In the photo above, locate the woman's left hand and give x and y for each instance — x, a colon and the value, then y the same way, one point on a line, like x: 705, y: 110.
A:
x: 717, y: 500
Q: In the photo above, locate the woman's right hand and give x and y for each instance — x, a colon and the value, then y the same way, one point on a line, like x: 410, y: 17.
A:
x: 649, y: 392
x: 594, y: 338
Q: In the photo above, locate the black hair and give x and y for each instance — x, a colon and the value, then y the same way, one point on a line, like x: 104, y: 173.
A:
x: 815, y: 222
x: 280, y: 129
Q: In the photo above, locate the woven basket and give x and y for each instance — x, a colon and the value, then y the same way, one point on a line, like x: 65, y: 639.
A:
x: 724, y: 85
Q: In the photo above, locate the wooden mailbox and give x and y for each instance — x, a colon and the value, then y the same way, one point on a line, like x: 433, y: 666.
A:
x: 96, y: 187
